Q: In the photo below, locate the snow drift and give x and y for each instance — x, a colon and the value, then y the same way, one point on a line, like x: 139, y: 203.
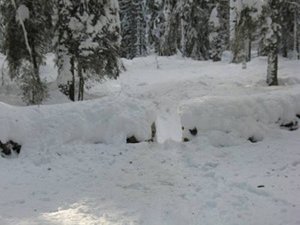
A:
x: 109, y: 120
x: 228, y: 120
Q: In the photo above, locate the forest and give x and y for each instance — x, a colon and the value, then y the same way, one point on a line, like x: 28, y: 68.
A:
x: 149, y: 112
x: 89, y: 38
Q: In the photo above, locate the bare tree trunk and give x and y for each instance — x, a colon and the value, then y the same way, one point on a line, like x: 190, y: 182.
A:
x: 295, y: 52
x: 72, y: 84
x: 81, y: 83
x: 272, y: 72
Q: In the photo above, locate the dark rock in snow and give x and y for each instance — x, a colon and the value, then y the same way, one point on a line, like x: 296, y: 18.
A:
x: 255, y: 138
x: 252, y: 139
x: 194, y: 131
x: 132, y: 140
x: 8, y: 148
x: 298, y: 116
x: 291, y: 126
x: 260, y: 186
x: 186, y: 140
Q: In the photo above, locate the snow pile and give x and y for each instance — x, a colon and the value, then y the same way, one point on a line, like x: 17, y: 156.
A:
x: 227, y: 121
x: 110, y: 120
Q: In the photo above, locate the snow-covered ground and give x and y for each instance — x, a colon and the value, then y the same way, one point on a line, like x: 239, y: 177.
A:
x: 76, y: 169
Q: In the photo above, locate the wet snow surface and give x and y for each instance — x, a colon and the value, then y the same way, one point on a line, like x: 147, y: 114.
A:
x: 218, y: 178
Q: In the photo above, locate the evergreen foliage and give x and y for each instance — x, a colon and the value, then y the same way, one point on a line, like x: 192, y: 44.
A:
x: 196, y: 15
x: 87, y: 43
x: 219, y: 30
x: 133, y: 26
x: 244, y: 29
x: 89, y: 36
x: 27, y: 25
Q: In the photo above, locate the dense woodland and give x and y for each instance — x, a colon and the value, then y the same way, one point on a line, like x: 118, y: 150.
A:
x: 89, y: 37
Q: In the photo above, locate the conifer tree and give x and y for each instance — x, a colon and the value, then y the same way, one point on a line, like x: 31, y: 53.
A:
x: 27, y: 28
x: 196, y: 16
x: 219, y: 30
x: 154, y: 12
x: 290, y: 20
x: 133, y: 26
x: 272, y: 37
x: 1, y: 32
x: 87, y: 43
x: 245, y: 26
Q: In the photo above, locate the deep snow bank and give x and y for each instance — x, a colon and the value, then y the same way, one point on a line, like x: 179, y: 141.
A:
x: 109, y: 120
x: 228, y: 120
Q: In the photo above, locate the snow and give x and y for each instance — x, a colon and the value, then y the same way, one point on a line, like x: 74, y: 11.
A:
x: 23, y: 13
x: 225, y: 120
x: 214, y: 19
x: 102, y: 121
x: 75, y: 167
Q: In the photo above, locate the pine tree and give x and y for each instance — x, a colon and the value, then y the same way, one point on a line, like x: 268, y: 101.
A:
x: 244, y: 28
x: 133, y: 26
x: 27, y: 28
x: 196, y: 16
x: 1, y: 32
x: 219, y: 30
x: 290, y: 20
x: 286, y: 42
x: 155, y: 15
x: 169, y: 40
x: 272, y: 38
x: 87, y: 43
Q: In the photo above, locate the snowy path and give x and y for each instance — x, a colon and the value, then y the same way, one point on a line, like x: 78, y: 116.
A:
x: 155, y: 184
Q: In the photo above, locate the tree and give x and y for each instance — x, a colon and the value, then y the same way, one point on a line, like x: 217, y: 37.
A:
x: 219, y: 30
x: 196, y: 16
x: 290, y: 28
x: 272, y: 35
x: 133, y: 24
x: 27, y: 28
x: 87, y: 43
x: 1, y: 32
x: 154, y: 18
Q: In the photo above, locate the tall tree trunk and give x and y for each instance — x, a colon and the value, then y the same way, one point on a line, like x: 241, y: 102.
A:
x: 81, y: 82
x: 272, y: 72
x: 249, y: 50
x: 295, y: 52
x: 72, y: 84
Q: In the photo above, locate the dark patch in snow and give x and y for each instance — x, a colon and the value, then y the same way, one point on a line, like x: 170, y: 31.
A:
x: 298, y: 116
x: 132, y: 140
x: 9, y: 148
x: 260, y: 186
x: 254, y: 139
x: 186, y: 140
x: 153, y: 132
x: 291, y: 126
x: 194, y: 131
